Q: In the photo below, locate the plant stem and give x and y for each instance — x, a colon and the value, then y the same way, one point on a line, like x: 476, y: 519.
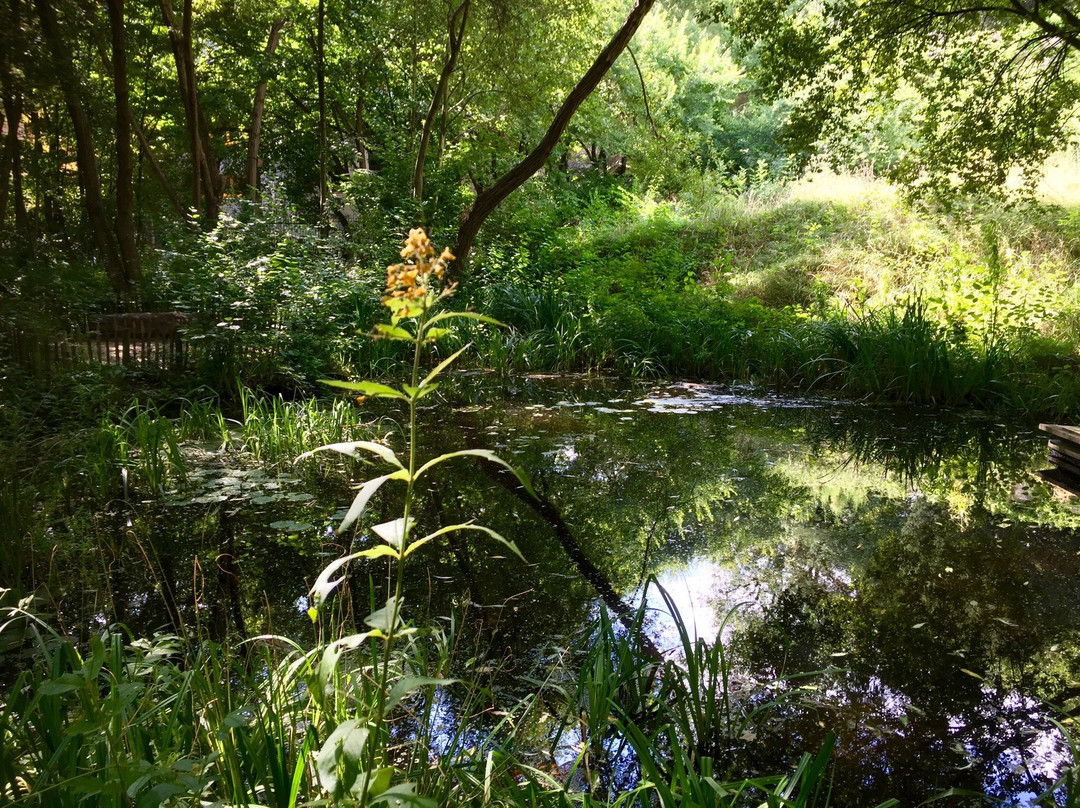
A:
x: 395, y: 601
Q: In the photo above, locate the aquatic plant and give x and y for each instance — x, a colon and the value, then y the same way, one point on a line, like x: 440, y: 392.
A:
x: 140, y: 451
x: 357, y: 757
x: 275, y: 431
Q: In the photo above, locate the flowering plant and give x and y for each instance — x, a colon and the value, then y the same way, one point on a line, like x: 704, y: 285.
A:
x: 351, y: 760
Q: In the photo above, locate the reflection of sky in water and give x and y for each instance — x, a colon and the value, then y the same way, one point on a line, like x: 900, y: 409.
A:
x: 599, y: 466
x: 705, y: 593
x: 687, y: 397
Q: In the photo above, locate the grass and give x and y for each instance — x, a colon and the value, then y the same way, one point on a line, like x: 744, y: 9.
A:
x: 274, y: 431
x: 139, y: 722
x: 832, y: 284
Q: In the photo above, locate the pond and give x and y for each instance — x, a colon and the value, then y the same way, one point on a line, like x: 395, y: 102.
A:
x: 914, y: 559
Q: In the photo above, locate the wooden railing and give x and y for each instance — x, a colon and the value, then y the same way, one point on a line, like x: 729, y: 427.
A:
x: 143, y: 339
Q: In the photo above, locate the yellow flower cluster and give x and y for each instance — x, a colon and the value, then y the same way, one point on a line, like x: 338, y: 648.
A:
x: 411, y: 280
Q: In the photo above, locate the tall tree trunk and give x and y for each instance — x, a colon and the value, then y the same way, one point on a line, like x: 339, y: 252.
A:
x: 86, y: 157
x: 125, y: 161
x: 459, y: 18
x: 176, y: 41
x: 12, y: 117
x: 22, y: 217
x: 37, y: 164
x: 358, y: 129
x: 12, y: 104
x: 257, y: 113
x: 212, y: 182
x: 206, y: 184
x: 488, y: 199
x: 54, y: 210
x: 320, y: 77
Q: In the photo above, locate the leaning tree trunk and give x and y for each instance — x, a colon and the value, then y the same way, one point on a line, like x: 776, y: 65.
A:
x: 257, y: 114
x: 456, y: 33
x: 155, y: 166
x: 488, y: 199
x: 125, y: 162
x: 85, y: 155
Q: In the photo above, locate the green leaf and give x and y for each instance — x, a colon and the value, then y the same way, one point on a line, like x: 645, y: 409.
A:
x: 467, y: 315
x: 416, y: 545
x: 380, y: 550
x: 392, y: 532
x: 481, y: 453
x: 410, y: 684
x: 402, y: 307
x: 352, y: 449
x: 376, y: 782
x: 394, y: 332
x: 359, y: 504
x: 159, y: 794
x: 373, y: 389
x: 55, y: 688
x: 325, y: 583
x: 342, y: 750
x: 443, y: 365
x: 436, y: 333
x: 323, y: 674
x: 381, y: 618
x: 404, y: 794
x: 419, y: 392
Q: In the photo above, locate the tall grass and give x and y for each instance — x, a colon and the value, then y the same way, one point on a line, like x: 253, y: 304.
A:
x: 274, y: 431
x: 139, y: 452
x: 140, y: 722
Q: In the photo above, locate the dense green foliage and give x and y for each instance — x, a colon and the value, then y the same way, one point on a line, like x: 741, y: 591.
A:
x: 227, y: 181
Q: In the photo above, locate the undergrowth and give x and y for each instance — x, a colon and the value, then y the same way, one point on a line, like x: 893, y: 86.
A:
x: 858, y: 295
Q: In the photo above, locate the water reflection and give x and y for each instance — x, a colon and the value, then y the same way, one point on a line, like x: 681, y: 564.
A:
x: 915, y: 557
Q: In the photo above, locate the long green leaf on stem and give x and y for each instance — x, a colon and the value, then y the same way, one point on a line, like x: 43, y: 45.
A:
x: 416, y: 545
x: 484, y: 454
x: 373, y: 389
x: 443, y: 365
x: 353, y: 448
x: 360, y: 503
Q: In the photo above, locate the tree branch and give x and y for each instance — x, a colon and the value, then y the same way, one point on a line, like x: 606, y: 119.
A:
x: 486, y: 202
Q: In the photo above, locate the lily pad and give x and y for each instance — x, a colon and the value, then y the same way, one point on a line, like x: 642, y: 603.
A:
x: 207, y: 499
x: 265, y: 499
x: 291, y: 526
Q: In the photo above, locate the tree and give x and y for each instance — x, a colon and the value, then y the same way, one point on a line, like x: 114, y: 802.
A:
x: 458, y: 20
x: 994, y: 79
x: 86, y: 155
x: 488, y: 199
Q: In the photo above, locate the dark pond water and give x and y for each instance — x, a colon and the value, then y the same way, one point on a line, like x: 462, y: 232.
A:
x: 915, y: 557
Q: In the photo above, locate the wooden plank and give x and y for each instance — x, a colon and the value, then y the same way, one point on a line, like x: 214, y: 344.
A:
x: 1063, y: 480
x: 1066, y: 448
x: 1069, y: 433
x: 1066, y: 463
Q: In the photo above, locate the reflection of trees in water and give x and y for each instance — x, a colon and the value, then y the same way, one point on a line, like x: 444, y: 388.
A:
x: 855, y: 533
x: 206, y: 572
x: 941, y: 633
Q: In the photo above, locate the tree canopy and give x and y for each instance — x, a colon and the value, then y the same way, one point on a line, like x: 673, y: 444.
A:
x: 974, y: 89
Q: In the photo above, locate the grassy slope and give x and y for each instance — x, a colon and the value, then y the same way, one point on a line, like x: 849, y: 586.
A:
x: 831, y: 282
